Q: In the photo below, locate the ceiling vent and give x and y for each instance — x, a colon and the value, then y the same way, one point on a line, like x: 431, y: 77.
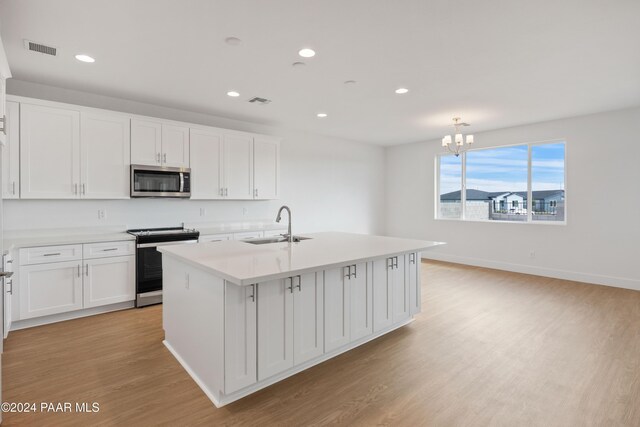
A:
x: 258, y: 100
x: 40, y: 48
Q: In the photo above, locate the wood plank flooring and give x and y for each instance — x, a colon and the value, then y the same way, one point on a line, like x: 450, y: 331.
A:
x: 490, y: 348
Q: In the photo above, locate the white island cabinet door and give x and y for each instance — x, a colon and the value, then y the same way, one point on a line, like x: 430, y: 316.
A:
x: 400, y: 289
x: 11, y: 154
x: 105, y: 153
x: 146, y: 142
x: 50, y: 288
x: 238, y: 166
x: 382, y: 293
x: 49, y: 152
x: 266, y: 160
x: 275, y: 327
x: 361, y: 301
x: 308, y: 317
x: 109, y: 281
x: 415, y: 295
x: 240, y: 336
x: 205, y: 154
x: 175, y: 146
x: 337, y: 313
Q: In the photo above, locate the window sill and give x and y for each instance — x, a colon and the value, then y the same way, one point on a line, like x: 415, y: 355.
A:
x: 552, y: 223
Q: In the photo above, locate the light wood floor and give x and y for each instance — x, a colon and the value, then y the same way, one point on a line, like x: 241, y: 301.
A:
x: 490, y: 348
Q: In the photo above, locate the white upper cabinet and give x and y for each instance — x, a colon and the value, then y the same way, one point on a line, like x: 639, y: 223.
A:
x: 105, y: 153
x: 146, y: 142
x: 206, y: 164
x: 3, y: 102
x: 159, y: 144
x: 175, y: 146
x: 11, y: 153
x: 266, y: 159
x: 49, y: 152
x: 238, y: 166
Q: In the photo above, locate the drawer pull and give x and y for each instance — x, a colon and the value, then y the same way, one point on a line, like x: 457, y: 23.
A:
x: 109, y: 249
x: 52, y: 254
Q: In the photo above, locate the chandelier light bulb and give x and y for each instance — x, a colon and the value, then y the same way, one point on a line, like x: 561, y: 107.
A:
x: 469, y: 139
x: 446, y: 140
x: 458, y: 139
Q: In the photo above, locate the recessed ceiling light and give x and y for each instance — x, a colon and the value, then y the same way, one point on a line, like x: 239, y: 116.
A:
x: 233, y: 93
x: 232, y: 41
x: 85, y: 58
x: 322, y: 115
x: 306, y: 53
x: 402, y: 90
x: 298, y: 64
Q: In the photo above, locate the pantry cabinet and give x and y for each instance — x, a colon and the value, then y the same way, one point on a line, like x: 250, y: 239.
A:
x: 11, y: 153
x: 49, y: 152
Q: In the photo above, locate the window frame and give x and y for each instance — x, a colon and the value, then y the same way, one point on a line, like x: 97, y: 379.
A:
x: 463, y: 186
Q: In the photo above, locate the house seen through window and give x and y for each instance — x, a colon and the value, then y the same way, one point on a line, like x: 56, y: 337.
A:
x: 522, y: 183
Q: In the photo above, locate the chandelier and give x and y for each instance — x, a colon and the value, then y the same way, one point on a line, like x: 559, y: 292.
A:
x: 455, y: 145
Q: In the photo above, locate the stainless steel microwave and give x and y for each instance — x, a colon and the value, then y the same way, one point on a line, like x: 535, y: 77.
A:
x: 160, y: 181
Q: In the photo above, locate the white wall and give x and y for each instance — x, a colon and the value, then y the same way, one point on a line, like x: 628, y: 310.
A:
x: 329, y: 183
x: 599, y: 244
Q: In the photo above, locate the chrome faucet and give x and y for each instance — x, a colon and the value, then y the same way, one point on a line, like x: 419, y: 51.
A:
x: 289, y: 236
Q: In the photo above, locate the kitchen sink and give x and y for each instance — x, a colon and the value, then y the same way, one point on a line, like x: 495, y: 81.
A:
x: 274, y: 239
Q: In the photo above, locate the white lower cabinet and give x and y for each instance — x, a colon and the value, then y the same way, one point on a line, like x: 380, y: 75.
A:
x: 337, y: 313
x: 275, y: 327
x: 400, y: 288
x: 240, y: 337
x: 382, y: 288
x: 109, y: 280
x: 308, y: 317
x: 361, y: 297
x: 50, y: 288
x: 413, y: 276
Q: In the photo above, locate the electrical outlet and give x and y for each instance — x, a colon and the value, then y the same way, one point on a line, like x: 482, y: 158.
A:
x: 102, y: 213
x: 532, y: 254
x: 203, y: 211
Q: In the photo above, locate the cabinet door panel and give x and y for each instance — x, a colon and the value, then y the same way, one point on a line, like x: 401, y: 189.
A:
x: 415, y: 294
x: 266, y: 161
x: 382, y: 294
x: 106, y: 150
x: 238, y: 166
x: 146, y: 142
x: 337, y: 313
x: 175, y: 146
x: 275, y: 327
x: 11, y: 154
x: 361, y: 302
x: 400, y: 290
x: 109, y: 281
x: 50, y: 289
x: 49, y: 152
x: 206, y: 164
x: 240, y: 335
x: 308, y: 317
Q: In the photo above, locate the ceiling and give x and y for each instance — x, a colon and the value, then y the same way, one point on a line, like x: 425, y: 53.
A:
x: 495, y: 63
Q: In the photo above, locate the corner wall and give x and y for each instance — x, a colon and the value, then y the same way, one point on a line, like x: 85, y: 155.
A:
x: 601, y: 241
x: 330, y: 184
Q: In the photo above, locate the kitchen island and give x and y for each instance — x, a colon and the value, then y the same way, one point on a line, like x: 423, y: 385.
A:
x: 240, y: 316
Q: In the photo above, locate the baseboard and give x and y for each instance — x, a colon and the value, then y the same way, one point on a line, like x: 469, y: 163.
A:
x: 595, y: 279
x: 53, y: 318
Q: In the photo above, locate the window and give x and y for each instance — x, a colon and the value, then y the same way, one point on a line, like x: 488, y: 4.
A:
x: 519, y: 183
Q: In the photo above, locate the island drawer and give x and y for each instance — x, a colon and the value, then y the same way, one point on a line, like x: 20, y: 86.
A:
x: 47, y: 254
x: 109, y: 249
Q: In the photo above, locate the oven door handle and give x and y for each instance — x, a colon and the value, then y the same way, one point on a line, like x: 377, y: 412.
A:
x: 153, y: 245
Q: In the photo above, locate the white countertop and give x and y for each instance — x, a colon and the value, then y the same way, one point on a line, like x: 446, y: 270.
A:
x: 243, y: 263
x: 16, y: 239
x: 207, y: 228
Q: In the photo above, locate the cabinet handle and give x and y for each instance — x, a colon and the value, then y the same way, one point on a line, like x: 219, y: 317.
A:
x: 78, y: 270
x: 52, y: 254
x: 389, y: 266
x: 164, y: 158
x: 290, y: 288
x: 355, y: 271
x: 10, y: 283
x: 255, y: 192
x: 253, y: 293
x: 412, y: 258
x: 226, y: 192
x: 13, y: 188
x: 221, y: 192
x: 75, y: 188
x: 86, y: 270
x: 396, y: 258
x: 109, y: 249
x: 3, y: 120
x: 157, y: 157
x: 348, y: 275
x: 84, y: 189
x: 299, y: 283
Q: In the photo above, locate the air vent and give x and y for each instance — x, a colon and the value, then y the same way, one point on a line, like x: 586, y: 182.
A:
x: 40, y: 48
x: 259, y: 100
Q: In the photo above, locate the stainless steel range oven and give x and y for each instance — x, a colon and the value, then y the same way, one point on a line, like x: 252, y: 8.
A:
x: 149, y: 260
x: 160, y: 181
